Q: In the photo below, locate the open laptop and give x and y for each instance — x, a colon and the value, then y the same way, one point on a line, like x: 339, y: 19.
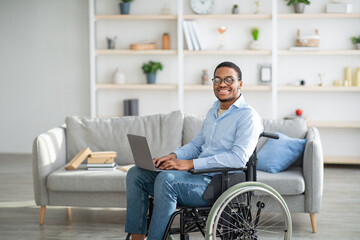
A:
x: 141, y: 153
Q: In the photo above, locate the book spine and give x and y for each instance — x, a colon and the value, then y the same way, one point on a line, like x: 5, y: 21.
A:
x: 198, y: 37
x: 187, y: 36
x: 192, y: 36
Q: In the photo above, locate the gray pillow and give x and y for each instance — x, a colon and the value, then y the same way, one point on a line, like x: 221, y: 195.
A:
x: 192, y: 125
x: 163, y: 132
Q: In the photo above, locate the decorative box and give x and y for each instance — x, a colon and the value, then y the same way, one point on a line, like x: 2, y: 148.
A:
x: 339, y: 8
x: 307, y: 40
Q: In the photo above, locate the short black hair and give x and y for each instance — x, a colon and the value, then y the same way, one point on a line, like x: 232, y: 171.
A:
x: 230, y: 65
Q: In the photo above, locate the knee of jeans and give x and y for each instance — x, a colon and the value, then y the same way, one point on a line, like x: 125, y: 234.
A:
x: 132, y: 174
x: 164, y: 179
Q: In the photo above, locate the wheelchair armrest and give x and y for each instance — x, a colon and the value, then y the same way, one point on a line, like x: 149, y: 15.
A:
x: 269, y: 135
x: 215, y: 170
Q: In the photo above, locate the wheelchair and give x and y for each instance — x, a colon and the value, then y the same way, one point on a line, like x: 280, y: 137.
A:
x: 241, y: 208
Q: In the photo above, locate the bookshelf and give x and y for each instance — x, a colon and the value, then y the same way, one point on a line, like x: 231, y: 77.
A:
x: 183, y: 85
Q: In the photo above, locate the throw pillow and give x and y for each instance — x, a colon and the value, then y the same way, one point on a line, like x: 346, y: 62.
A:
x: 277, y: 155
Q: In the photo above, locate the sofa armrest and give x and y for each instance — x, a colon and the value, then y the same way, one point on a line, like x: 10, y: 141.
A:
x: 313, y: 170
x: 49, y: 153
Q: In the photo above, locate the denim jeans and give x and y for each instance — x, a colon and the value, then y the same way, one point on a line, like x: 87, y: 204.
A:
x: 168, y: 188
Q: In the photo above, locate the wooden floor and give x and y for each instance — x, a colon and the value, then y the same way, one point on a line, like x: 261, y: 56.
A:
x: 338, y: 219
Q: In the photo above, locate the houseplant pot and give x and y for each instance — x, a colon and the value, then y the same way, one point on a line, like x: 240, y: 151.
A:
x: 356, y: 41
x: 125, y: 6
x: 151, y: 78
x: 150, y: 68
x: 255, y: 45
x: 299, y: 5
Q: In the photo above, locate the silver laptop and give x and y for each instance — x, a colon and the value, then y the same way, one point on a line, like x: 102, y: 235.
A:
x: 141, y: 153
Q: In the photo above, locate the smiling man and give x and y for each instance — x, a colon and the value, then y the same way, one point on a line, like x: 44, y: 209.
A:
x: 227, y: 138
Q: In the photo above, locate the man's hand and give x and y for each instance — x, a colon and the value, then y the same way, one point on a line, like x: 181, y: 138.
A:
x: 170, y: 162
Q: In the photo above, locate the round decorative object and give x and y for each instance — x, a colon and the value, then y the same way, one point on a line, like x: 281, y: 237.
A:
x: 202, y: 6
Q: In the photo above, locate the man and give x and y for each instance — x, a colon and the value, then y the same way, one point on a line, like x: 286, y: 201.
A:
x: 227, y: 138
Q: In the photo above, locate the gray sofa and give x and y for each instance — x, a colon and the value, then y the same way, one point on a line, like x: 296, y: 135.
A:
x: 300, y: 185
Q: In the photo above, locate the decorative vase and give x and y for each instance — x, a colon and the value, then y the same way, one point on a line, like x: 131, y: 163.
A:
x: 119, y: 76
x: 299, y: 7
x: 151, y: 78
x: 124, y: 7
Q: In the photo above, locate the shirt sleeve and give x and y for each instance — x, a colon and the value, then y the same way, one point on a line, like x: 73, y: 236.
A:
x: 247, y: 134
x: 192, y: 149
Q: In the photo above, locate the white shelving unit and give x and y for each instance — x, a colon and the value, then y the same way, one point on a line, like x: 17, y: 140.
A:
x: 182, y: 87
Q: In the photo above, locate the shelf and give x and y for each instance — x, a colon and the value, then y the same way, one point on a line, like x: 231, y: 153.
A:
x: 229, y: 52
x: 135, y: 86
x: 255, y: 88
x: 318, y: 15
x: 135, y: 17
x: 134, y: 52
x: 285, y: 88
x: 342, y: 159
x: 333, y: 124
x: 320, y: 52
x: 227, y: 16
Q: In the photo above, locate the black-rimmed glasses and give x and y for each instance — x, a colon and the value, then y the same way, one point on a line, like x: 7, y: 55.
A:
x: 227, y: 80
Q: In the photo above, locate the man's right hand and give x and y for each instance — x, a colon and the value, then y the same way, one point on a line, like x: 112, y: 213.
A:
x: 159, y: 161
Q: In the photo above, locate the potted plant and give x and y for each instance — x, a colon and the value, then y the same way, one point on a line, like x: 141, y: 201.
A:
x: 299, y: 5
x: 125, y: 6
x: 235, y: 9
x: 255, y: 43
x: 356, y: 40
x: 150, y: 68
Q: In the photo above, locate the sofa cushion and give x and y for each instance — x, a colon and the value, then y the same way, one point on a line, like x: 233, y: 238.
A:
x: 289, y: 182
x: 192, y: 125
x: 278, y: 154
x: 163, y: 132
x: 82, y: 180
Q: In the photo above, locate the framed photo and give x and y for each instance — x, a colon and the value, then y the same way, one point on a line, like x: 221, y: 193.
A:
x: 265, y: 73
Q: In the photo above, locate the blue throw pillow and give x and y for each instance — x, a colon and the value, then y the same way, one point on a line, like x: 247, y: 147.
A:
x: 277, y: 155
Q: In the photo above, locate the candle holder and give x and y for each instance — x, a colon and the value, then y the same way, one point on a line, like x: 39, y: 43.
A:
x: 221, y: 30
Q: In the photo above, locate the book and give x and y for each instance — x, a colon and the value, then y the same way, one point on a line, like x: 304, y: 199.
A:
x: 187, y: 36
x: 125, y: 168
x: 198, y: 37
x: 103, y: 154
x: 192, y: 36
x: 100, y: 160
x: 103, y: 169
x: 78, y: 159
x: 101, y: 165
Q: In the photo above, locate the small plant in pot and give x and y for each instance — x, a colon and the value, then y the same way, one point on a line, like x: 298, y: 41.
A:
x: 255, y: 43
x: 299, y: 5
x: 356, y: 41
x: 150, y: 68
x: 125, y: 6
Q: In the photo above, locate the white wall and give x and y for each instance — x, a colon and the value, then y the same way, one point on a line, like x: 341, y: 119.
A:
x: 44, y: 68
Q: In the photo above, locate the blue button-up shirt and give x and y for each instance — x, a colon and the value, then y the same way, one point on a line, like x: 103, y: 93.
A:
x: 227, y: 141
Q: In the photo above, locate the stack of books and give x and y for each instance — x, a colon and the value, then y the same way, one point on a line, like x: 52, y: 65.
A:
x: 101, y: 161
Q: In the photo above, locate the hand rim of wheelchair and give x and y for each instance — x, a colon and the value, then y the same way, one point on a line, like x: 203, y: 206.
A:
x: 237, y: 190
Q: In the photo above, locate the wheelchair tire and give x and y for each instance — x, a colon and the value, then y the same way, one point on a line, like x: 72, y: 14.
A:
x: 249, y: 211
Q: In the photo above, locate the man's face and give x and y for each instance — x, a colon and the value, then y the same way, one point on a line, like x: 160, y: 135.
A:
x: 224, y: 92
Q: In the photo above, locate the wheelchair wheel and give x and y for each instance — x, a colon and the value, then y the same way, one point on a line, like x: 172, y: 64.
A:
x: 249, y: 211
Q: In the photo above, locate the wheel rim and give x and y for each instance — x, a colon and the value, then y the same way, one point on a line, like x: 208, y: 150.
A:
x: 235, y: 218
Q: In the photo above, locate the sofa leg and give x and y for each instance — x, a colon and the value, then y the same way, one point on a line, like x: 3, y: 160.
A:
x: 69, y: 215
x: 313, y: 222
x: 42, y: 214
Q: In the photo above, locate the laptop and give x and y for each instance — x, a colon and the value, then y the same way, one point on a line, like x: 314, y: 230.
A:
x: 141, y: 153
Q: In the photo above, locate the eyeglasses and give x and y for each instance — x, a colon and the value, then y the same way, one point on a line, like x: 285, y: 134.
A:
x: 228, y: 80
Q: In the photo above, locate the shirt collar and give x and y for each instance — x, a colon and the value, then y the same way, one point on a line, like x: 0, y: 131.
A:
x: 239, y: 103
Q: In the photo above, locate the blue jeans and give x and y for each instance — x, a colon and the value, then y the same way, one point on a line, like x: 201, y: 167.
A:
x: 168, y: 188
